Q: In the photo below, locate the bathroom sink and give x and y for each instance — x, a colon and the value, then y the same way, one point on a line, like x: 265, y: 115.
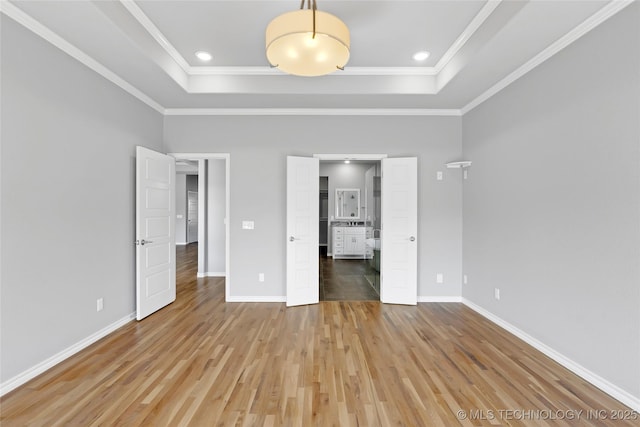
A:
x: 373, y: 243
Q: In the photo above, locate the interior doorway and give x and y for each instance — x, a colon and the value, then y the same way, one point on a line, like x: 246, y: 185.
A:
x: 192, y: 216
x: 349, y: 227
x: 208, y: 207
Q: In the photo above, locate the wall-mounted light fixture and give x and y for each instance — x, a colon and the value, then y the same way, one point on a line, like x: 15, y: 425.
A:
x: 459, y: 165
x: 463, y: 164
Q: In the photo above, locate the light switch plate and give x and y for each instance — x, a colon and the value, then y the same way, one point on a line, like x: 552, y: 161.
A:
x: 439, y: 278
x: 247, y: 225
x: 439, y: 175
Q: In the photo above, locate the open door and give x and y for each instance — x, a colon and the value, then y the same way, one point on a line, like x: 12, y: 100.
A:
x: 155, y: 231
x: 302, y: 230
x: 399, y: 246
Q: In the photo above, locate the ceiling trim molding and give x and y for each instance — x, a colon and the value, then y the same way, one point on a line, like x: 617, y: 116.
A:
x: 310, y: 112
x: 348, y: 71
x: 190, y: 70
x: 155, y: 32
x: 342, y: 157
x: 36, y: 27
x: 464, y: 37
x: 580, y: 30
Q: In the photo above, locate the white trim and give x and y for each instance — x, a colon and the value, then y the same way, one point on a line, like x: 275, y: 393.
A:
x: 256, y: 298
x: 427, y: 298
x: 311, y: 112
x: 266, y: 70
x: 464, y: 37
x: 603, y: 384
x: 212, y: 274
x: 148, y: 25
x: 227, y: 158
x: 348, y: 71
x: 49, y: 363
x: 589, y: 24
x: 372, y: 157
x: 36, y: 27
x: 182, y: 243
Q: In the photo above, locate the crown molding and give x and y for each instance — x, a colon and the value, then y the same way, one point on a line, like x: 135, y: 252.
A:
x: 310, y: 112
x: 348, y: 71
x: 587, y: 25
x: 148, y: 25
x: 36, y: 27
x: 464, y: 37
x: 266, y: 70
x: 39, y: 29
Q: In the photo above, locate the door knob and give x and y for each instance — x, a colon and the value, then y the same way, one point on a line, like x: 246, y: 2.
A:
x: 291, y: 239
x: 412, y: 239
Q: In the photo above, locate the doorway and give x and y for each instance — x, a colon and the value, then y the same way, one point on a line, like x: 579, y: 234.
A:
x: 350, y: 222
x: 208, y: 208
x: 398, y: 236
x: 192, y: 216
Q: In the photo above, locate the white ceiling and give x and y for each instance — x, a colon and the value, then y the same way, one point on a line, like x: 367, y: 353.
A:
x: 477, y: 47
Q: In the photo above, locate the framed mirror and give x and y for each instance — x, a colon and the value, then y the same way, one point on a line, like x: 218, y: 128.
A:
x: 347, y: 203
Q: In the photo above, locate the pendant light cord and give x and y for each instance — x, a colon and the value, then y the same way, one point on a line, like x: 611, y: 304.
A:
x: 311, y: 4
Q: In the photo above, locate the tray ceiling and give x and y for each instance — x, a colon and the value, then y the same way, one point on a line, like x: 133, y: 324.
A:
x: 148, y: 48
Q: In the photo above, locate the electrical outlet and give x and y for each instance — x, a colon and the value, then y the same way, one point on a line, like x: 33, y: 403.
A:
x: 464, y: 279
x: 439, y: 278
x: 496, y: 293
x: 99, y: 304
x: 439, y: 175
x: 261, y: 277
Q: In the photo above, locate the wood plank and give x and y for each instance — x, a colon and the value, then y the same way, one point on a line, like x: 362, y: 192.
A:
x: 201, y: 361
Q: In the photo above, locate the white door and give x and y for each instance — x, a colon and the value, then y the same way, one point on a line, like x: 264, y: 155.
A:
x: 155, y: 231
x: 192, y: 216
x: 302, y: 230
x: 399, y: 259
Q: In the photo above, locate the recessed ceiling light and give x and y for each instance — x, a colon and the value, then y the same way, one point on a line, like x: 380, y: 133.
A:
x: 203, y: 56
x: 421, y: 56
x: 347, y: 161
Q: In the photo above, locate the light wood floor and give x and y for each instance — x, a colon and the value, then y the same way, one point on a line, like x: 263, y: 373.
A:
x: 204, y: 362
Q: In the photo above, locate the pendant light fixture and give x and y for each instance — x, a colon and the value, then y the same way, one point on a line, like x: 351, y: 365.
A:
x: 307, y: 42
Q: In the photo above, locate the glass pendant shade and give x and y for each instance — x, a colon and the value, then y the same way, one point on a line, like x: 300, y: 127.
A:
x: 292, y: 47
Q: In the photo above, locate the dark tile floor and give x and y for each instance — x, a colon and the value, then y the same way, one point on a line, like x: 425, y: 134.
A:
x: 345, y: 280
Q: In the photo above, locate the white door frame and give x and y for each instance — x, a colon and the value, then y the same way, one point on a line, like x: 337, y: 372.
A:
x: 202, y: 242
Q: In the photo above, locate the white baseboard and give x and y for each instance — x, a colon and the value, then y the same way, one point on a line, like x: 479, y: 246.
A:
x: 452, y: 298
x: 41, y: 367
x: 611, y: 389
x: 181, y: 243
x: 254, y: 298
x: 212, y: 274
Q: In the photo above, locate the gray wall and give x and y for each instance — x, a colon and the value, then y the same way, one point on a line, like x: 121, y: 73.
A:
x: 68, y: 176
x: 181, y: 208
x: 259, y: 146
x: 343, y: 175
x: 552, y: 203
x: 216, y: 193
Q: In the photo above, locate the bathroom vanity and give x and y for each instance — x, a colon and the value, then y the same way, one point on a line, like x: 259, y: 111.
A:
x: 349, y: 241
x: 349, y: 233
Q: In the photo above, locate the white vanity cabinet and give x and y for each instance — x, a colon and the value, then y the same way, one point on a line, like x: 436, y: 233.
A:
x: 349, y: 242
